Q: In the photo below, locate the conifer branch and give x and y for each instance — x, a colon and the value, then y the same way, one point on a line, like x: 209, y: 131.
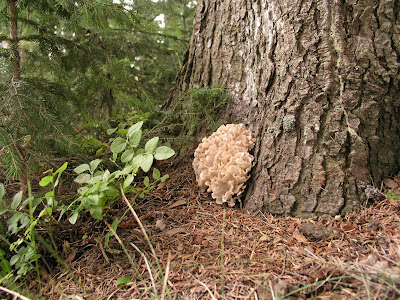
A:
x: 16, y: 59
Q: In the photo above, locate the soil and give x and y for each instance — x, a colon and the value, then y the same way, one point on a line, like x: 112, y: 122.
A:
x: 208, y: 251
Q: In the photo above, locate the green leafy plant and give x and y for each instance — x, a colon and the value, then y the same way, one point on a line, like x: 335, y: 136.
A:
x: 24, y: 218
x: 191, y: 108
x: 202, y: 103
x: 100, y: 187
x: 393, y: 195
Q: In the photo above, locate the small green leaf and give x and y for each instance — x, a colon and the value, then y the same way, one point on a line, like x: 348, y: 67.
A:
x: 96, y: 212
x: 25, y: 221
x: 82, y: 190
x: 93, y: 141
x: 134, y: 138
x: 143, y: 160
x: 57, y: 181
x: 114, y: 157
x: 101, y: 150
x: 111, y: 130
x: 122, y: 131
x: 49, y: 195
x: 2, y: 191
x: 128, y: 180
x: 147, y: 161
x: 165, y: 177
x: 93, y: 199
x: 48, y: 171
x: 156, y: 174
x: 94, y: 164
x: 118, y: 145
x: 95, y: 179
x: 81, y: 168
x: 135, y: 127
x: 52, y: 202
x: 123, y: 280
x: 151, y: 145
x: 128, y: 169
x: 62, y: 168
x: 107, y: 238
x: 16, y: 200
x: 82, y: 178
x: 112, y: 192
x: 14, y: 259
x: 72, y: 219
x: 146, y: 181
x: 13, y: 222
x: 46, y: 211
x: 127, y: 156
x: 114, y: 226
x: 106, y: 176
x: 163, y: 152
x: 4, y: 265
x: 103, y: 186
x: 46, y: 180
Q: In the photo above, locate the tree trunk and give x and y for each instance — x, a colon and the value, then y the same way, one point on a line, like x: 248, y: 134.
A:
x: 12, y: 5
x: 318, y: 82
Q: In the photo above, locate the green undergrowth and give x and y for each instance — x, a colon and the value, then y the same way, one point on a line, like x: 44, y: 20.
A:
x: 30, y: 217
x: 202, y: 104
x: 124, y: 157
x: 393, y: 195
x: 191, y: 112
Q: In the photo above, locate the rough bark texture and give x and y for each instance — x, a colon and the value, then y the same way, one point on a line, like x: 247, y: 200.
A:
x: 318, y: 82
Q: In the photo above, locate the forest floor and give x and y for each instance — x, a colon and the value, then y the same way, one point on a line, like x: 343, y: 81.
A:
x: 207, y: 251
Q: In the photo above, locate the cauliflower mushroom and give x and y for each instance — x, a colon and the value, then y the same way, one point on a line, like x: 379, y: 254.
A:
x: 222, y: 162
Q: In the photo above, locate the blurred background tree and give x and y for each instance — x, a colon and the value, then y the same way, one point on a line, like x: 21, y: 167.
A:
x: 66, y: 63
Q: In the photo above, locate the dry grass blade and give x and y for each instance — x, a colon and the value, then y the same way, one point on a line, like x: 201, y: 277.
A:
x: 164, y: 287
x: 15, y: 294
x: 207, y: 289
x: 140, y: 224
x: 126, y: 253
x: 271, y: 290
x: 148, y: 242
x: 153, y: 284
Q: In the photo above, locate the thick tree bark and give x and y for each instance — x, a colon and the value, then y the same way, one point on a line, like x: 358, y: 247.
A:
x: 318, y: 82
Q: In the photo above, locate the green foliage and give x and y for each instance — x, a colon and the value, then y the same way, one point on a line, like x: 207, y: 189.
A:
x: 123, y: 280
x: 101, y: 187
x: 10, y: 156
x: 193, y: 108
x: 80, y: 62
x: 83, y: 65
x: 94, y: 135
x: 30, y: 122
x: 25, y: 217
x: 393, y: 195
x: 201, y: 104
x: 5, y: 267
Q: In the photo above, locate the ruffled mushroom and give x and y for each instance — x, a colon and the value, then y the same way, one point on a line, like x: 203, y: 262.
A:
x: 222, y: 162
